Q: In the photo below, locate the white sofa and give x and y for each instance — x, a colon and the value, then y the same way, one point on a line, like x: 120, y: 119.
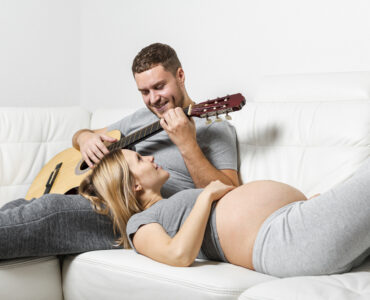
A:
x: 311, y: 131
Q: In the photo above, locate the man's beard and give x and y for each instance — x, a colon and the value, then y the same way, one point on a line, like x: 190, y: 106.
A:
x: 179, y: 103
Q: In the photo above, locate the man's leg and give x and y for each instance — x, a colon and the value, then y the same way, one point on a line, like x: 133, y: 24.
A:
x: 51, y: 225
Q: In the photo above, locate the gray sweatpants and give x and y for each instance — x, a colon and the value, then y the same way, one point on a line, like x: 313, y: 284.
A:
x: 324, y: 235
x: 52, y: 225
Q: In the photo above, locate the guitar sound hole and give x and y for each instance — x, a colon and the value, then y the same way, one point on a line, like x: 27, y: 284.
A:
x: 84, y: 166
x: 72, y: 191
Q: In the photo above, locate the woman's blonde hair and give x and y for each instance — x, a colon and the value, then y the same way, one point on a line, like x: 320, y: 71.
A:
x: 110, y: 188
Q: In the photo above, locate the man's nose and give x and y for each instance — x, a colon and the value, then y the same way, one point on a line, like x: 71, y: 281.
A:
x: 154, y: 97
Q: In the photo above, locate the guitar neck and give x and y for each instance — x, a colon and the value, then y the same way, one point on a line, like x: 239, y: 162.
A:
x: 205, y: 109
x: 137, y: 136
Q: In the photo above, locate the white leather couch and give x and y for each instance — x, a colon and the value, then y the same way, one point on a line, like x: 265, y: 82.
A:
x: 311, y: 131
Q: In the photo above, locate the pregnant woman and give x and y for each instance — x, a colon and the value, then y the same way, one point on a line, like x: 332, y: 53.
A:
x: 265, y: 226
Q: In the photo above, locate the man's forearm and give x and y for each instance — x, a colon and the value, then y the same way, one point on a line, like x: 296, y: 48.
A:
x: 75, y: 138
x: 201, y: 170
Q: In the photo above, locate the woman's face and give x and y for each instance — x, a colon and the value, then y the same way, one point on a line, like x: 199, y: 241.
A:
x: 147, y: 174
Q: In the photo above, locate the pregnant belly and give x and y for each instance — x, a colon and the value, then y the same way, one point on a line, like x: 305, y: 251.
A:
x: 240, y: 214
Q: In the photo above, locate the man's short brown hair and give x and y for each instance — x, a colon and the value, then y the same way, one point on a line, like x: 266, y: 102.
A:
x: 154, y: 55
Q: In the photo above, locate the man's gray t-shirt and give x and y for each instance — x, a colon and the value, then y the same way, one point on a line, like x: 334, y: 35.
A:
x: 217, y: 141
x: 171, y: 214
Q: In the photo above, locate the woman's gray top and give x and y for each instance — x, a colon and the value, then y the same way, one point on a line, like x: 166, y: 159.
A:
x: 171, y: 213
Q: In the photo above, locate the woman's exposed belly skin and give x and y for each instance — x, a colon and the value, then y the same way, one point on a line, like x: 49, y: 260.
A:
x: 241, y: 212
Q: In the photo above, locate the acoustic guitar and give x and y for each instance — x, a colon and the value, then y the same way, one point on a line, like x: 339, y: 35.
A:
x: 65, y: 171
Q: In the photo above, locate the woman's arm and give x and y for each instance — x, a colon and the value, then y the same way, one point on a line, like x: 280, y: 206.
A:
x: 152, y: 240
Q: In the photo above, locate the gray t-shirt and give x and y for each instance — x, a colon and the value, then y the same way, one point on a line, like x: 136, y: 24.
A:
x: 217, y: 141
x: 171, y: 213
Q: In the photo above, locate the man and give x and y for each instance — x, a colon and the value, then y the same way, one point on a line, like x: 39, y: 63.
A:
x: 193, y: 153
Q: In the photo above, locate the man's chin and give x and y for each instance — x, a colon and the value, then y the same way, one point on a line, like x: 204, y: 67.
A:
x: 158, y: 113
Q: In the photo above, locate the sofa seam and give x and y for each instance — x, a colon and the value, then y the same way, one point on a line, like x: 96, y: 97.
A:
x: 30, y: 261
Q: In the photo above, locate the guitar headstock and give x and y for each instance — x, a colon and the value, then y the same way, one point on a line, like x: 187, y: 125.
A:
x: 218, y: 106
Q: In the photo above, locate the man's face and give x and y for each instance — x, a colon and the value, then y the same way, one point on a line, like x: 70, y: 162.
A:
x: 160, y: 89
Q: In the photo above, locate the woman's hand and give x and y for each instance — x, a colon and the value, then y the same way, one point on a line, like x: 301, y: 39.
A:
x: 217, y: 189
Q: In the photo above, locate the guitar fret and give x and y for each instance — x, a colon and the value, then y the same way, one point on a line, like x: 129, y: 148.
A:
x: 140, y: 132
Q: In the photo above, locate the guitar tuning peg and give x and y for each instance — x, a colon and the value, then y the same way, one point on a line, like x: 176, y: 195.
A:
x: 227, y: 117
x: 208, y: 121
x: 218, y: 119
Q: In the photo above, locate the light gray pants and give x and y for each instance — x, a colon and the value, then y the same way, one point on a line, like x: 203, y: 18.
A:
x: 52, y: 225
x: 327, y: 234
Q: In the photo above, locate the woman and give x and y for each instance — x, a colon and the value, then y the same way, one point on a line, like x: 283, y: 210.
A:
x: 264, y: 225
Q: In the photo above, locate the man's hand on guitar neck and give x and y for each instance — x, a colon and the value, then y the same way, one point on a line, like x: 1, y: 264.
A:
x: 180, y: 129
x: 91, y: 144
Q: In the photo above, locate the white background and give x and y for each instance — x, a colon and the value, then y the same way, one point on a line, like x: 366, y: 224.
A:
x: 79, y: 52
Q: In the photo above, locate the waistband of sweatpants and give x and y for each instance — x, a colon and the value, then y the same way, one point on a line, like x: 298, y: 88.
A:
x: 211, y: 246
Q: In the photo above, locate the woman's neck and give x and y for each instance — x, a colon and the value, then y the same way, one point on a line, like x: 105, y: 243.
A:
x: 149, y: 199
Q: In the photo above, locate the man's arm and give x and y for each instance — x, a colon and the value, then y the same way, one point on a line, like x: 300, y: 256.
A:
x: 182, y: 132
x: 91, y: 144
x: 203, y: 172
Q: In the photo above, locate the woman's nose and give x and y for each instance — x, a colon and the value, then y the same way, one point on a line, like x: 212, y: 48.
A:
x: 150, y: 158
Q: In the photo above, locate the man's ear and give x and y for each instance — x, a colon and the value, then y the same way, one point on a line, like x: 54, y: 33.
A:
x: 180, y: 75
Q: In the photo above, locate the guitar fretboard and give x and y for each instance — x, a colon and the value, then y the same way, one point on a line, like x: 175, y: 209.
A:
x: 137, y: 136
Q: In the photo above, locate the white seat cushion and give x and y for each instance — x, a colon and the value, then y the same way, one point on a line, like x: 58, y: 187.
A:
x: 350, y: 286
x: 123, y: 274
x: 31, y: 279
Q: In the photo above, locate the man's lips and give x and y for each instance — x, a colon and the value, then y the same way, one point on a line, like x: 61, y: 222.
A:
x: 161, y: 108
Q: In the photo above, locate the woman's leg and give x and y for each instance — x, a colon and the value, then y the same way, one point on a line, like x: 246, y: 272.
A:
x: 51, y: 225
x: 325, y: 235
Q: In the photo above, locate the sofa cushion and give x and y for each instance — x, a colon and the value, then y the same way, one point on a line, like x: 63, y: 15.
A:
x: 29, y: 137
x: 123, y: 274
x: 303, y: 143
x: 351, y: 286
x: 31, y: 279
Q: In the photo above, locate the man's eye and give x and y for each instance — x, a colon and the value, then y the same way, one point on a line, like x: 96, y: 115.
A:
x: 159, y: 87
x: 144, y: 92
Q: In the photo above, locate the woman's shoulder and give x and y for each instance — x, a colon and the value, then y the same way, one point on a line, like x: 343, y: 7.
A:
x: 186, y: 194
x: 177, y: 201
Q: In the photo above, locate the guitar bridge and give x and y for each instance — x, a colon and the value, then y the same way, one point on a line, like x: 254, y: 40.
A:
x: 51, y: 179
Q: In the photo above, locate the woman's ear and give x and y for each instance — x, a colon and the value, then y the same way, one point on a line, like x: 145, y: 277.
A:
x: 137, y: 187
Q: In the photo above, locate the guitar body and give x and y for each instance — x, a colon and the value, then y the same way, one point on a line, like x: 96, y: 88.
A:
x: 69, y: 176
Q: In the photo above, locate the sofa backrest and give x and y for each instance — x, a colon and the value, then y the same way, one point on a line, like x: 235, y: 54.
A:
x: 30, y: 137
x: 311, y: 131
x: 312, y: 136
